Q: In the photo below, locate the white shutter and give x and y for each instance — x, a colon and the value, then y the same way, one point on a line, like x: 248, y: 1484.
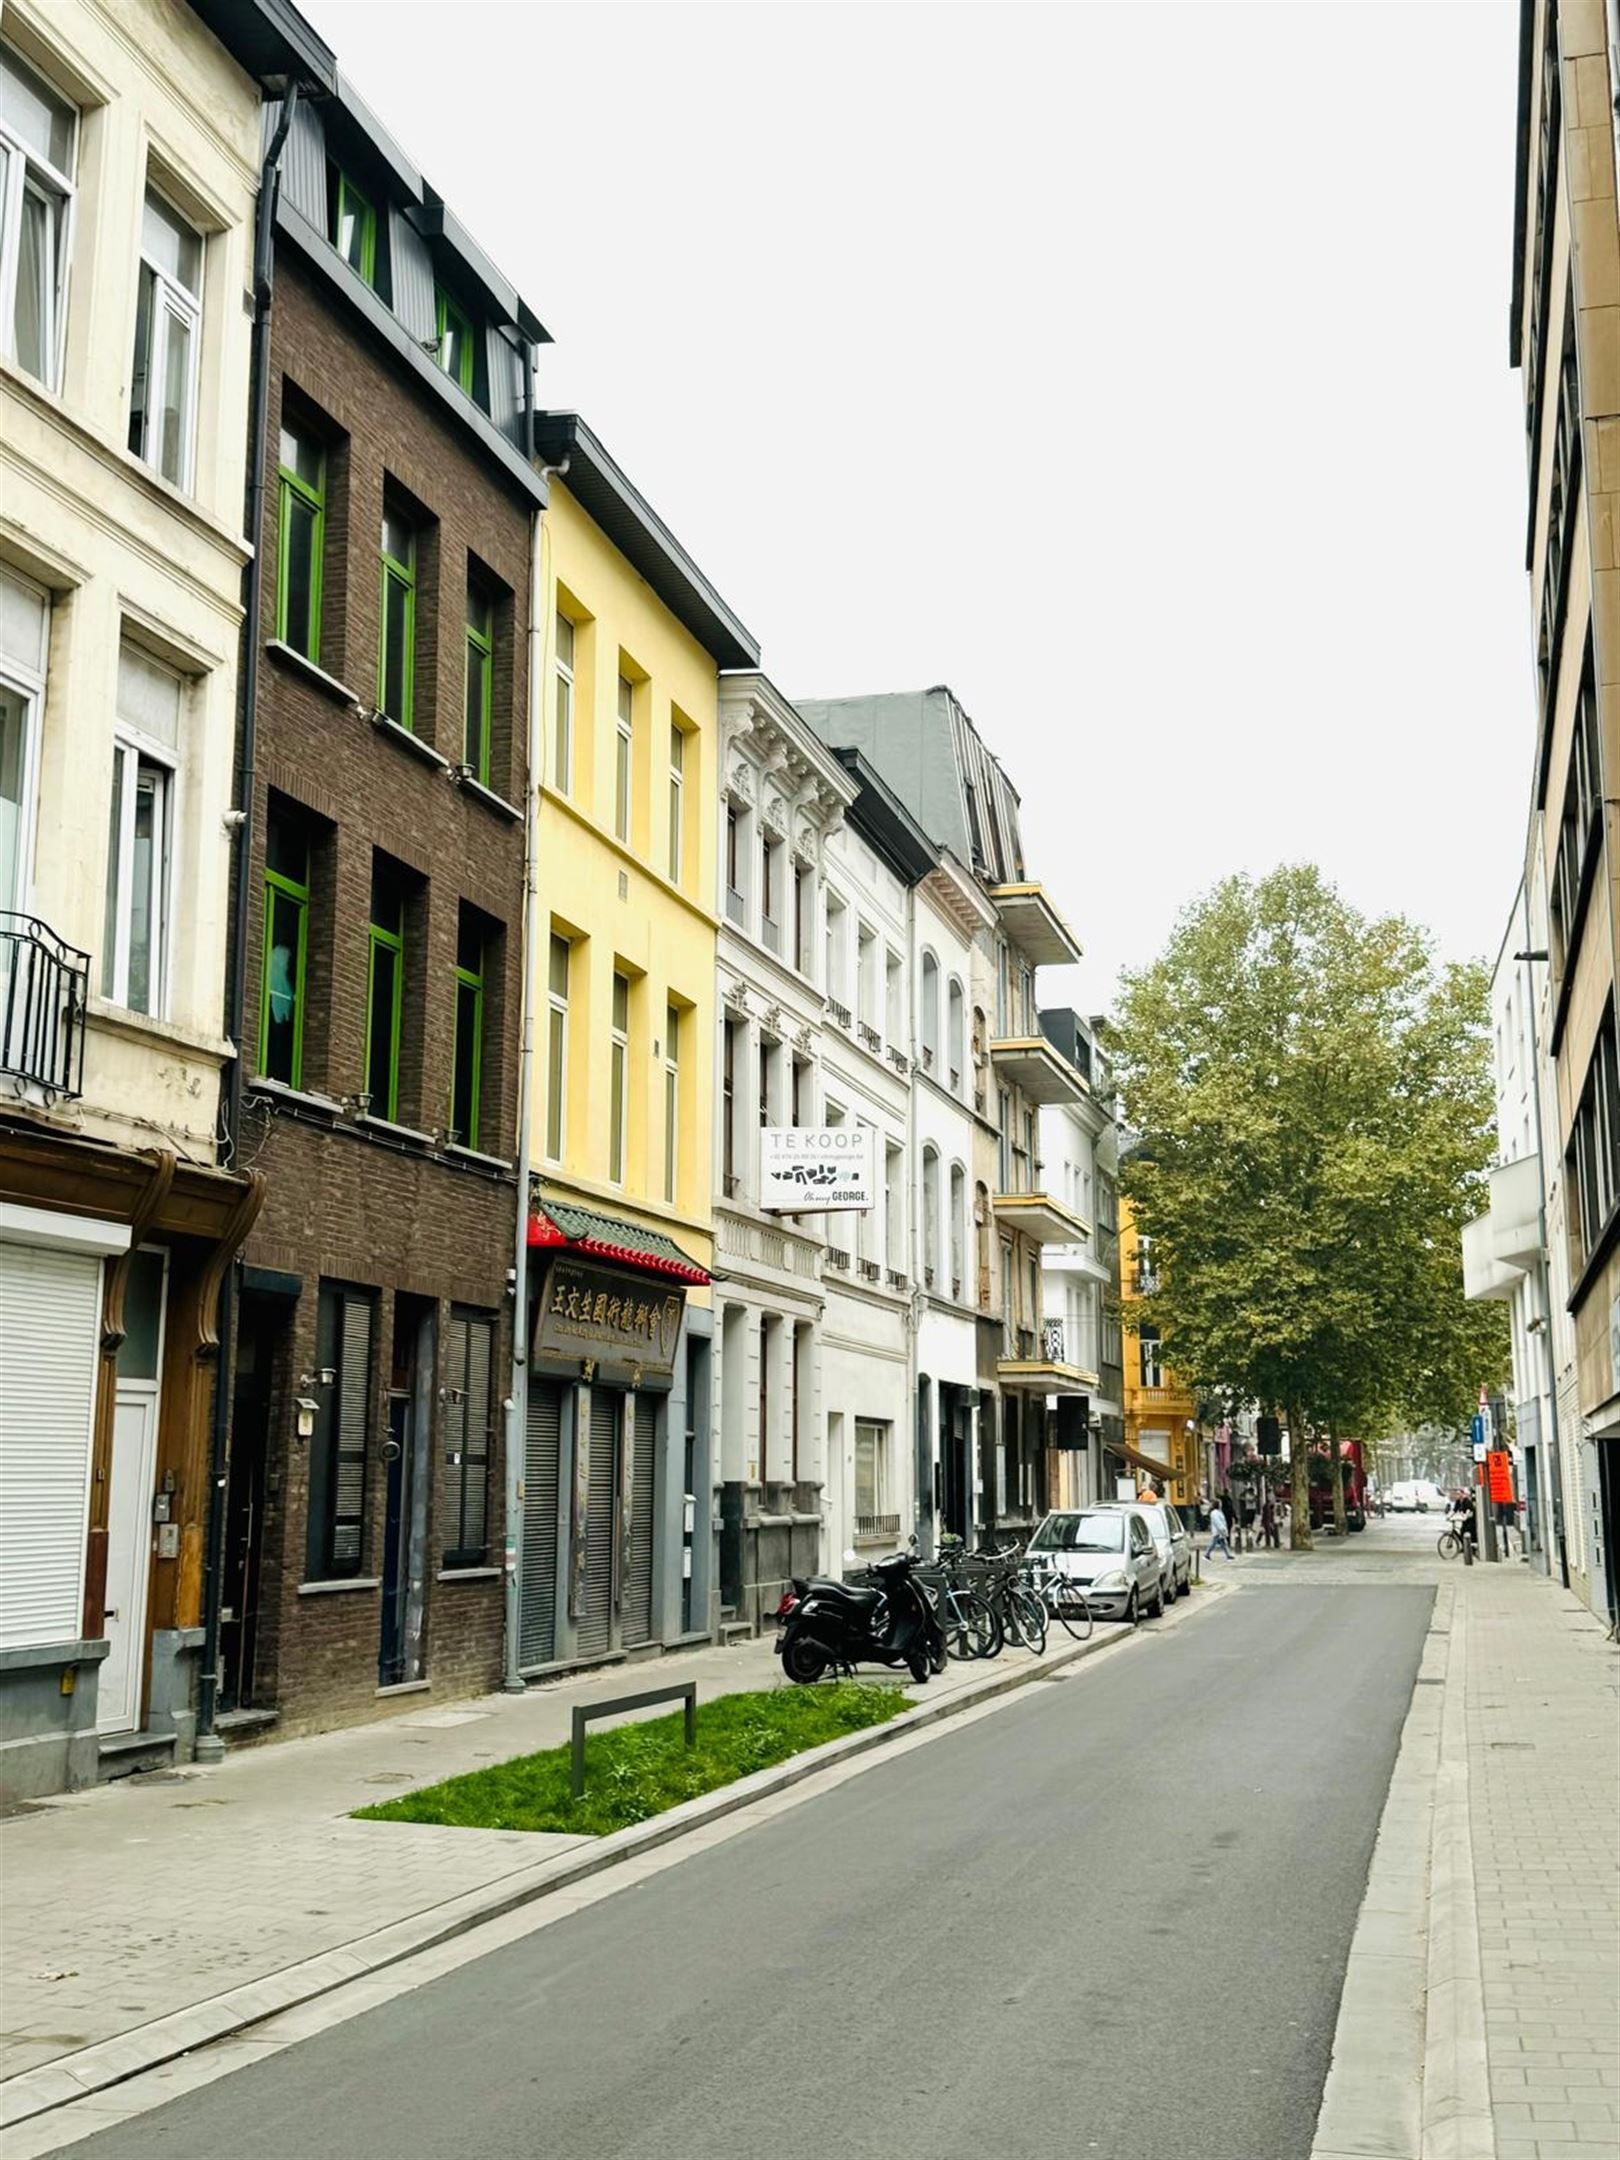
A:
x: 50, y: 1312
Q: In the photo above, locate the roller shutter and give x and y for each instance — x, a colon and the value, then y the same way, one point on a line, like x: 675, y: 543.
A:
x: 637, y: 1613
x: 50, y: 1309
x: 537, y: 1641
x: 601, y: 1523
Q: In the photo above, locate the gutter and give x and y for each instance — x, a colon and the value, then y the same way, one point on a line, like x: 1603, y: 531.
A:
x: 209, y: 1747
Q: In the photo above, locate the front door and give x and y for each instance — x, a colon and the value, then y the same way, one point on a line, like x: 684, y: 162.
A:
x: 129, y: 1557
x: 601, y: 1523
x: 263, y: 1326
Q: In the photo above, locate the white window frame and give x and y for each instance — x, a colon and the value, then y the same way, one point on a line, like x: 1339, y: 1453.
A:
x: 879, y: 1430
x: 171, y: 302
x: 677, y: 802
x: 26, y: 677
x: 672, y: 1105
x: 27, y: 172
x: 133, y: 748
x: 562, y: 748
x: 624, y: 762
x: 557, y: 1018
x: 619, y: 1089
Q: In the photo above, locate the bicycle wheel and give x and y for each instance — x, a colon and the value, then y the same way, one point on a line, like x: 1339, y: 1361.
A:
x: 1066, y: 1602
x: 1448, y: 1545
x: 1029, y: 1615
x: 989, y: 1634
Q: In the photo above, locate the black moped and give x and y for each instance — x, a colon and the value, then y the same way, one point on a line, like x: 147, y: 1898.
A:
x: 823, y: 1623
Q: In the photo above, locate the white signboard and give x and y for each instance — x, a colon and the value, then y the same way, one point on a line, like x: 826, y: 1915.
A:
x: 804, y: 1169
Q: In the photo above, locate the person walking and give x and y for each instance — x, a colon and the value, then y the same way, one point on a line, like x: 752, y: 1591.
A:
x: 1268, y: 1518
x: 1217, y: 1533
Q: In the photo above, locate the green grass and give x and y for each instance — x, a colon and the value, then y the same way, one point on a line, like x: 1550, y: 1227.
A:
x: 633, y: 1771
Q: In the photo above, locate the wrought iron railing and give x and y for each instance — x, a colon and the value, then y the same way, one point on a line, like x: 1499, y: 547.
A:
x: 44, y: 991
x: 899, y: 1060
x: 839, y: 1012
x: 877, y: 1526
x: 868, y: 1035
x: 1052, y: 1341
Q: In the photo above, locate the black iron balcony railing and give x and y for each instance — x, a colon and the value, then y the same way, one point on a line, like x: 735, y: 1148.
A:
x: 1052, y: 1341
x: 44, y: 988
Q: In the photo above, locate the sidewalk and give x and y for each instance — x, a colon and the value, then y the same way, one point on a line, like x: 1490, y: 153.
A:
x: 1481, y: 2012
x: 131, y: 1902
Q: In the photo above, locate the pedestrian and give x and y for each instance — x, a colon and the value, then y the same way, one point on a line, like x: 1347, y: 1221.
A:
x: 1268, y: 1518
x: 1218, y: 1520
x: 1148, y: 1496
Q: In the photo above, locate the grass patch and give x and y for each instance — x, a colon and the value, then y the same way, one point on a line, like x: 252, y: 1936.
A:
x: 633, y: 1771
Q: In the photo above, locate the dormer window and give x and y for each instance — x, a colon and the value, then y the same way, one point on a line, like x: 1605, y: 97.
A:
x: 352, y: 225
x: 457, y: 346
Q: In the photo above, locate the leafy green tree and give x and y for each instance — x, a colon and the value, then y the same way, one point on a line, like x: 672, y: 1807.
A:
x: 1313, y: 1099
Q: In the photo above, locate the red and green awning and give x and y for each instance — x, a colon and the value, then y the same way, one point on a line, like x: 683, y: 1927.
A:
x: 561, y: 1228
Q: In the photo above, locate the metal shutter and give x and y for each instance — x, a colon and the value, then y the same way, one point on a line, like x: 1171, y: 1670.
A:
x: 475, y: 1462
x: 354, y: 1393
x: 537, y: 1634
x: 637, y: 1614
x: 601, y: 1523
x: 50, y: 1310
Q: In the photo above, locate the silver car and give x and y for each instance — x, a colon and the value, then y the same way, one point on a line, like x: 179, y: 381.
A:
x: 1174, y: 1546
x: 1110, y: 1551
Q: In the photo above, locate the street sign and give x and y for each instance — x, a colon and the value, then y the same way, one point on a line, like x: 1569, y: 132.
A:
x: 1501, y: 1474
x: 1480, y: 1451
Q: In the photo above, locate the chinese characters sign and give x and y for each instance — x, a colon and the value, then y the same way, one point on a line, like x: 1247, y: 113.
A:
x: 595, y: 1312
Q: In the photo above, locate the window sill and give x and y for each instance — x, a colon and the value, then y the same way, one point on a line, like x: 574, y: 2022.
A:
x: 385, y: 1128
x: 391, y: 731
x: 138, y: 1026
x: 323, y: 1106
x: 345, y: 1582
x: 468, y: 1574
x: 488, y: 797
x: 297, y: 663
x: 404, y: 1687
x: 474, y: 1159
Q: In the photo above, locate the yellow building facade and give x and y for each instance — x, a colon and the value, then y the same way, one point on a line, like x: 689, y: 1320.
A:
x: 618, y: 1469
x: 1161, y: 1415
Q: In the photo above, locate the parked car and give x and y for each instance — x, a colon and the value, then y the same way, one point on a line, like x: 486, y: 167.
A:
x: 1110, y: 1550
x: 1173, y: 1542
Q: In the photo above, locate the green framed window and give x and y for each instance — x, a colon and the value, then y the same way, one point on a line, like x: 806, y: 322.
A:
x: 385, y: 987
x: 354, y: 227
x: 480, y: 680
x: 457, y: 350
x: 467, y: 1070
x: 302, y: 541
x: 396, y: 659
x: 282, y: 1000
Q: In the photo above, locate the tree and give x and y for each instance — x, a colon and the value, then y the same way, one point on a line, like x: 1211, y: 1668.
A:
x: 1312, y: 1096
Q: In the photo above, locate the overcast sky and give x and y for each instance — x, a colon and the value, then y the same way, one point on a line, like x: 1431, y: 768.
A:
x: 1138, y: 369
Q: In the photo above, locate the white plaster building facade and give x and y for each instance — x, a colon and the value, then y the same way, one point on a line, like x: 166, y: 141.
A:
x: 1080, y: 1276
x: 783, y: 797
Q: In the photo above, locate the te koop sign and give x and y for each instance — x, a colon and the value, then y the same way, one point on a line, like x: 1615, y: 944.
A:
x: 807, y: 1169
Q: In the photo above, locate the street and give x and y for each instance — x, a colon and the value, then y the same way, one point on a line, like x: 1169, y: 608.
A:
x: 1112, y: 1917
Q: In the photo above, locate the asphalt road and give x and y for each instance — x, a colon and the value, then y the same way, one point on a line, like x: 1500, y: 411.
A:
x: 1112, y: 1919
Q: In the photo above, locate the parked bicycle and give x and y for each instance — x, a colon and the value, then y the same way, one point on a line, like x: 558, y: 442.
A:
x: 1062, y: 1596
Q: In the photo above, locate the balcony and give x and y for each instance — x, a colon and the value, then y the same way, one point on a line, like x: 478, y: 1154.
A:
x: 868, y: 1036
x: 840, y: 1013
x: 1029, y: 1062
x: 44, y: 989
x: 1034, y: 925
x: 1040, y: 1217
x: 1500, y: 1247
x: 1041, y: 1366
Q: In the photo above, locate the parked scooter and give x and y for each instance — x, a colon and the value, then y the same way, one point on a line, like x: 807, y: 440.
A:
x: 822, y: 1622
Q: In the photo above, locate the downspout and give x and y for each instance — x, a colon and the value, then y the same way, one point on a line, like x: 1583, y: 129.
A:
x: 517, y: 1401
x: 1543, y: 1271
x: 209, y: 1747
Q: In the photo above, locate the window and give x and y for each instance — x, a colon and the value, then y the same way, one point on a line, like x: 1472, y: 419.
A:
x: 953, y: 1035
x: 282, y: 995
x: 677, y: 801
x: 736, y: 873
x: 871, y: 1474
x: 619, y: 1078
x: 562, y: 748
x: 866, y: 976
x: 480, y: 680
x: 800, y: 1105
x: 958, y: 1227
x: 804, y: 917
x: 469, y: 1392
x: 458, y: 350
x: 1004, y: 1146
x: 894, y: 1005
x: 672, y: 1103
x: 624, y: 743
x: 930, y: 1012
x: 562, y: 954
x: 302, y: 537
x: 467, y: 1069
x: 1150, y: 1371
x: 770, y: 897
x: 385, y: 988
x: 1578, y: 821
x: 1007, y: 1315
x: 352, y: 225
x: 24, y: 629
x: 1003, y: 991
x: 146, y: 740
x: 894, y: 1207
x: 396, y: 658
x: 930, y: 1252
x: 168, y: 317
x: 38, y: 146
x: 1595, y: 1145
x: 337, y: 1457
x: 836, y: 956
x: 730, y: 1029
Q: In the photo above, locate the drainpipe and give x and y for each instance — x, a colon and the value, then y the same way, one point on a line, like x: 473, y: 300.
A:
x: 1543, y: 1276
x: 517, y: 1401
x: 209, y: 1747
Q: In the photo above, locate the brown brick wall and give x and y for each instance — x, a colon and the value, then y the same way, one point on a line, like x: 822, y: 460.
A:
x: 397, y: 1217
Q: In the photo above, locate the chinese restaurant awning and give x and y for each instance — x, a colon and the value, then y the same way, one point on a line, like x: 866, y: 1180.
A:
x: 610, y: 1237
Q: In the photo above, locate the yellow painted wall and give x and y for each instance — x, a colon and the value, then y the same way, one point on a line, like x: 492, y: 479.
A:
x: 617, y: 901
x: 1164, y: 1409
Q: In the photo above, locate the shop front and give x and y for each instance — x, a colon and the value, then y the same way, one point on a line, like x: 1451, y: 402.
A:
x: 616, y: 1548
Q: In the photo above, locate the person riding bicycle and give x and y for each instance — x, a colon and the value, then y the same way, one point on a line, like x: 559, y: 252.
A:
x: 1460, y: 1517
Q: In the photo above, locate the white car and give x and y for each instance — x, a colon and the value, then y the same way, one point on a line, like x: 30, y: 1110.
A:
x: 1173, y: 1544
x: 1109, y: 1551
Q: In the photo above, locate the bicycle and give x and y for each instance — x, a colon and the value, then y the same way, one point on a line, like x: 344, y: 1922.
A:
x: 972, y: 1626
x: 1063, y: 1597
x: 1449, y: 1544
x: 1022, y: 1614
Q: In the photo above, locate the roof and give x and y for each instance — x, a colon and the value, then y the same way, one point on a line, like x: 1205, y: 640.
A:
x: 271, y: 40
x: 881, y: 818
x: 617, y: 506
x: 612, y: 1237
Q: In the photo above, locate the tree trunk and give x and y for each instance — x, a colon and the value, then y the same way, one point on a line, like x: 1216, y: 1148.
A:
x: 1299, y: 1505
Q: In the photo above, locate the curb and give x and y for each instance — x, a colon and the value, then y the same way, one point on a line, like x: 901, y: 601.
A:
x: 90, y: 2070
